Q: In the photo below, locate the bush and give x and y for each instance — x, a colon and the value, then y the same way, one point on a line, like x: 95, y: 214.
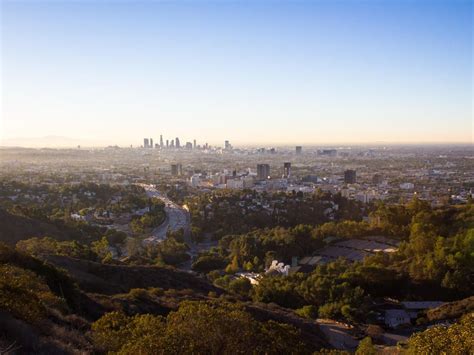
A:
x: 241, y: 286
x: 207, y: 263
x: 196, y: 327
x: 309, y: 311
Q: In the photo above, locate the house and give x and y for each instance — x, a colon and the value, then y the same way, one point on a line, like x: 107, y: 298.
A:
x: 396, y: 317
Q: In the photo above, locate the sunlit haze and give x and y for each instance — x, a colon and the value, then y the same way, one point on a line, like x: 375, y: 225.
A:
x: 253, y: 72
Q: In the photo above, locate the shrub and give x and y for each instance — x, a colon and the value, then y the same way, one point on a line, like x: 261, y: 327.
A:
x: 309, y: 311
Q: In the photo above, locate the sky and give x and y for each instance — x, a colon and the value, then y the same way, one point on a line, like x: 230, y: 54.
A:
x: 253, y: 72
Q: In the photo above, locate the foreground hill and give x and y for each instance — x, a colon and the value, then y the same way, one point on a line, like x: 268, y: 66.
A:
x: 14, y: 228
x: 108, y: 279
x: 61, y: 305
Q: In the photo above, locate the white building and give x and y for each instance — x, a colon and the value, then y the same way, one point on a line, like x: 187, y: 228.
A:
x: 194, y: 180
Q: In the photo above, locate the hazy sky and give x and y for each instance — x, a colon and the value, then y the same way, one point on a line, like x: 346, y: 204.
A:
x: 247, y: 71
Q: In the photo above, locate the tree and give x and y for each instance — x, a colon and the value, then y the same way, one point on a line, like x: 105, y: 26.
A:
x: 101, y: 248
x: 366, y: 347
x: 241, y: 286
x: 233, y: 267
x: 196, y: 327
x: 308, y: 311
x: 207, y: 263
x: 455, y: 339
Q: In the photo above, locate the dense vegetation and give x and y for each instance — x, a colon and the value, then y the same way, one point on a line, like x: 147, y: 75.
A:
x: 436, y: 256
x: 236, y: 212
x: 196, y: 327
x: 69, y: 279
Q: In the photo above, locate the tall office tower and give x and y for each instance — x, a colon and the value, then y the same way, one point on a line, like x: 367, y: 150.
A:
x: 350, y: 177
x: 286, y: 170
x: 298, y: 149
x: 172, y: 143
x: 176, y: 169
x: 177, y: 143
x: 227, y: 145
x: 161, y: 141
x: 189, y: 145
x: 145, y: 142
x: 263, y: 171
x: 151, y: 142
x: 167, y: 144
x: 194, y: 144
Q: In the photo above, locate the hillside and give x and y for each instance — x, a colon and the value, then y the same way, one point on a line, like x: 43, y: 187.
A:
x: 48, y: 306
x: 451, y: 310
x: 14, y: 228
x: 107, y: 279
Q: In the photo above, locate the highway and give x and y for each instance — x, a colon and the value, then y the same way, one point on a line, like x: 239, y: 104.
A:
x: 176, y: 217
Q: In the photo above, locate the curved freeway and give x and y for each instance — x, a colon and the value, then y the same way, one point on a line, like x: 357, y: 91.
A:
x: 176, y: 217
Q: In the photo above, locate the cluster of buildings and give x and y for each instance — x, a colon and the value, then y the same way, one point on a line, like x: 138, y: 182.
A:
x: 231, y: 179
x: 176, y: 144
x: 368, y: 188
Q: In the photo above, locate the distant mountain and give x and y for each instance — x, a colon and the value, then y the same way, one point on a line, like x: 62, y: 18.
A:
x: 47, y: 141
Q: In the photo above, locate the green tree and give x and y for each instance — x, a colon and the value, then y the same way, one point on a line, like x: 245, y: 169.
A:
x: 455, y: 339
x: 241, y: 286
x: 366, y: 347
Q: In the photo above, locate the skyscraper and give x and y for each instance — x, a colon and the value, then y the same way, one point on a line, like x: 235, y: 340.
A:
x: 161, y: 141
x: 151, y: 143
x: 176, y: 169
x: 227, y: 145
x: 145, y: 142
x: 194, y: 144
x: 298, y: 149
x: 177, y: 143
x: 167, y: 144
x: 286, y: 170
x: 263, y: 171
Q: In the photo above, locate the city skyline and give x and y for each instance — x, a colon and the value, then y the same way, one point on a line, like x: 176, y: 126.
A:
x: 260, y: 73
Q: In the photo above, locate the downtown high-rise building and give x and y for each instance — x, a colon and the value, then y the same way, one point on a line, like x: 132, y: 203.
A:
x: 263, y: 171
x: 161, y: 141
x: 178, y: 145
x: 176, y: 169
x: 145, y: 142
x: 151, y: 143
x: 286, y: 170
x: 298, y: 149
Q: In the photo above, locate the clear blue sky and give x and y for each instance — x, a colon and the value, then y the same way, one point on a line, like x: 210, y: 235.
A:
x: 249, y: 71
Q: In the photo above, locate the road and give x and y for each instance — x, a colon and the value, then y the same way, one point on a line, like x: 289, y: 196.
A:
x: 338, y: 334
x: 177, y: 217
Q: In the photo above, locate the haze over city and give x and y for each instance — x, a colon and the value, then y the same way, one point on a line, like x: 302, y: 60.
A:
x: 267, y: 72
x: 236, y: 177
